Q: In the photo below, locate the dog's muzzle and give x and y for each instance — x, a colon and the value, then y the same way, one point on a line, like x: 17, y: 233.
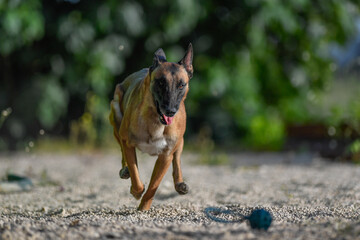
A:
x: 166, y: 120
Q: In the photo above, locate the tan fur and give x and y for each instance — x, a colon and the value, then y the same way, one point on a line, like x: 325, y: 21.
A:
x: 136, y: 125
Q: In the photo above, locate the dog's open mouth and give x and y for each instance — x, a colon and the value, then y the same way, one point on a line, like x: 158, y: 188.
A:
x: 162, y: 117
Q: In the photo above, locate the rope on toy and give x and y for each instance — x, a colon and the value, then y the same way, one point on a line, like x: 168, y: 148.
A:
x: 259, y: 218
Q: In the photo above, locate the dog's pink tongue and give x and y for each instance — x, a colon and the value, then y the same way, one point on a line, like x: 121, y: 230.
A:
x: 168, y: 120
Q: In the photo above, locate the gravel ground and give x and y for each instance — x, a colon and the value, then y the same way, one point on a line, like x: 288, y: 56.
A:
x: 82, y: 197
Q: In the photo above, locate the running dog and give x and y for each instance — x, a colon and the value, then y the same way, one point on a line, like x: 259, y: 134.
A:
x: 148, y: 113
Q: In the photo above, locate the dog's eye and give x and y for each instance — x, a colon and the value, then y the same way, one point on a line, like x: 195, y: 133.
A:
x: 181, y: 85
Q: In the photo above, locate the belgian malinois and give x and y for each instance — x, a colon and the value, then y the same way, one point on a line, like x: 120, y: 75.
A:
x: 148, y: 113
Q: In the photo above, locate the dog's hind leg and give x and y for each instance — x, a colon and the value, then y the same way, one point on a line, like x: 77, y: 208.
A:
x: 180, y: 186
x: 115, y: 120
x: 124, y: 171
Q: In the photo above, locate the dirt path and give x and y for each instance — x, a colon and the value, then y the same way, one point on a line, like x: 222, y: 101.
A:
x: 82, y: 197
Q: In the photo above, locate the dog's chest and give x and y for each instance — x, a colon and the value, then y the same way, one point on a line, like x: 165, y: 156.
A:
x: 153, y: 147
x: 154, y: 143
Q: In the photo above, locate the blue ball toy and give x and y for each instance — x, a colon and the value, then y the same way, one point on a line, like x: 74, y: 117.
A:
x: 260, y: 219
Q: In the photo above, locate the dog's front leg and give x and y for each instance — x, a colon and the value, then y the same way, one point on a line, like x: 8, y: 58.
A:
x: 162, y: 164
x: 180, y: 186
x: 137, y: 187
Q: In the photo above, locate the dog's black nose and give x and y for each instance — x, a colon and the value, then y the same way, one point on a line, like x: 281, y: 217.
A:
x: 170, y: 112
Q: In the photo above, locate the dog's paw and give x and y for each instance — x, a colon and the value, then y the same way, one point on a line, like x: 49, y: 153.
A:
x: 182, y: 188
x: 124, y: 173
x: 137, y: 194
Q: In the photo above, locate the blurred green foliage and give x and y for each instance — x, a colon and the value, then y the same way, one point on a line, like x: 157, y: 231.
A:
x: 21, y: 23
x: 354, y: 150
x: 258, y: 64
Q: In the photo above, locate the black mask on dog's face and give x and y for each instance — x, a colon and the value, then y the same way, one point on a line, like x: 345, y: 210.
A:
x: 169, y: 83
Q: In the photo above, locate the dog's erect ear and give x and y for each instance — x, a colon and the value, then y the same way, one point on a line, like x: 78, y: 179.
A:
x: 159, y: 57
x: 187, y: 61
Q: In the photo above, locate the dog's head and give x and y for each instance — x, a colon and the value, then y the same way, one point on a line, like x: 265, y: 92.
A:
x: 169, y: 83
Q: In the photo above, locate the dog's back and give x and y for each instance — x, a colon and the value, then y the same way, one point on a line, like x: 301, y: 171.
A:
x: 130, y: 84
x: 122, y: 95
